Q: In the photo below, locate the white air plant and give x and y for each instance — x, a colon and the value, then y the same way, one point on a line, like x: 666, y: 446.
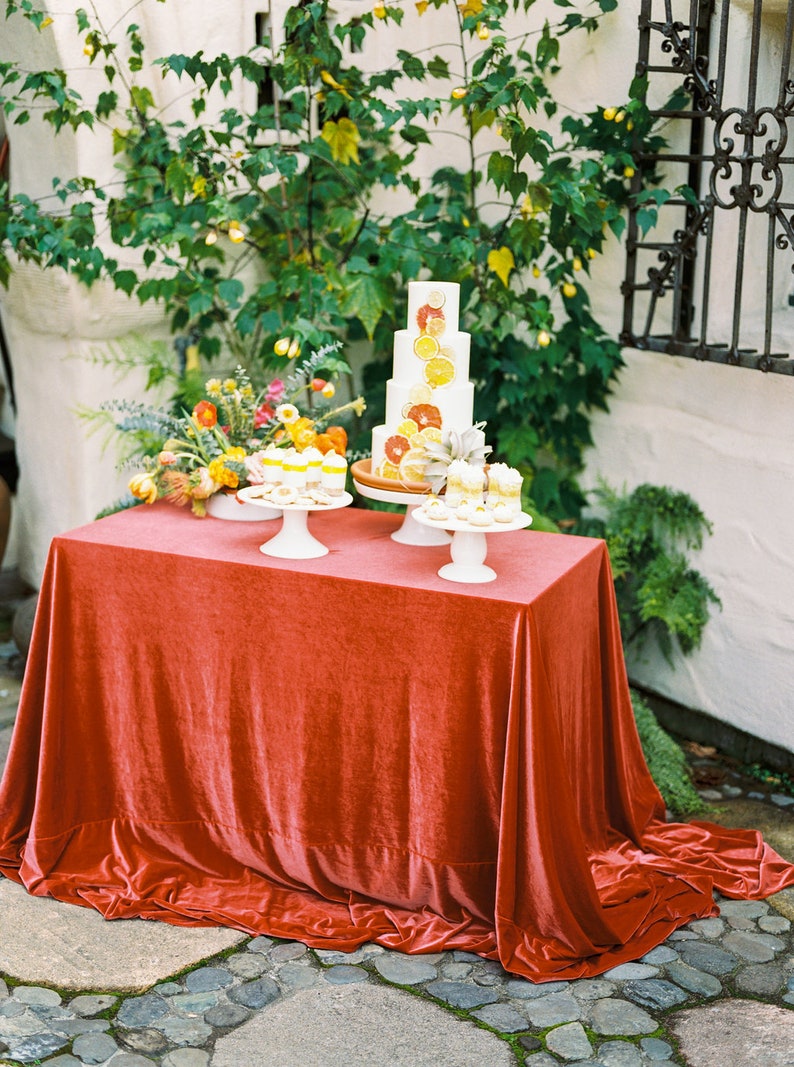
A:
x: 469, y: 446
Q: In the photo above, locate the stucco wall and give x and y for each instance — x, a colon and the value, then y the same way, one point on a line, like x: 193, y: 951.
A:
x: 722, y: 434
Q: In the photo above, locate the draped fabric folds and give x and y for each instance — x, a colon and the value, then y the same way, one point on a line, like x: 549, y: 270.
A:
x: 350, y: 748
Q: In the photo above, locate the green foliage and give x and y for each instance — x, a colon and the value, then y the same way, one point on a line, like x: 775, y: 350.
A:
x: 256, y: 223
x: 649, y: 532
x: 666, y: 762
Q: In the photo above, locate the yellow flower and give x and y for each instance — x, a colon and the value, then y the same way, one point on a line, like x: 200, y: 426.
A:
x: 281, y: 347
x: 236, y: 233
x: 379, y: 11
x: 482, y: 31
x: 143, y: 487
x: 628, y: 172
x: 211, y: 237
x: 577, y: 263
x: 470, y: 7
x: 294, y: 350
x: 569, y: 289
x: 591, y: 253
x: 236, y: 454
x: 328, y: 390
x: 213, y: 387
x: 287, y: 413
x: 459, y: 93
x: 302, y: 433
x: 247, y: 392
x: 221, y: 474
x: 45, y: 23
x: 359, y: 405
x: 421, y: 6
x: 229, y: 385
x: 536, y: 272
x: 543, y: 339
x: 609, y: 113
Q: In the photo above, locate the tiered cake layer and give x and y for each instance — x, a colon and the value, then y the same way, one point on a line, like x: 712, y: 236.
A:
x: 429, y: 391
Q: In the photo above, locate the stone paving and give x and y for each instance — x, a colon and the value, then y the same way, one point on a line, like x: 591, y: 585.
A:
x: 624, y: 1018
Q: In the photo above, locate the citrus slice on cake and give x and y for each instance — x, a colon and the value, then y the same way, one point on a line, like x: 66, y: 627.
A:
x: 436, y: 326
x: 412, y: 465
x: 430, y: 433
x: 407, y: 428
x: 425, y: 415
x: 426, y: 346
x: 436, y: 298
x: 439, y: 371
x: 388, y: 470
x: 395, y: 448
x: 420, y: 394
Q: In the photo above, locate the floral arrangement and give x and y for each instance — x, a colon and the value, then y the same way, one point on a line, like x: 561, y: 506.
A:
x: 220, y: 445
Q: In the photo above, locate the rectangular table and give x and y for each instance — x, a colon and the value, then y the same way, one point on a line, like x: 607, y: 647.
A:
x: 350, y: 748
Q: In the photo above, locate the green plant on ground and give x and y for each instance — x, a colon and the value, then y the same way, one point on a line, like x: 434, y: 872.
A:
x: 281, y: 223
x: 666, y: 762
x: 649, y: 532
x: 780, y: 781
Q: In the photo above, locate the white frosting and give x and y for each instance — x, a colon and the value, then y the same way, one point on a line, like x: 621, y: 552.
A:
x: 428, y: 301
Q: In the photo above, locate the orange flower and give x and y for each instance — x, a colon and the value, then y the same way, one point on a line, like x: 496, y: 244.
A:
x: 205, y: 414
x: 302, y: 432
x: 333, y: 440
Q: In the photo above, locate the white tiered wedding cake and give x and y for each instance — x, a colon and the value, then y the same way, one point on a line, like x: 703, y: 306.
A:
x: 429, y: 393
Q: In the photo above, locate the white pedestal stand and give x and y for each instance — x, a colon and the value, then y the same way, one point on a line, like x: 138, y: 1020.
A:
x: 469, y: 546
x: 410, y: 532
x: 226, y: 506
x: 293, y: 541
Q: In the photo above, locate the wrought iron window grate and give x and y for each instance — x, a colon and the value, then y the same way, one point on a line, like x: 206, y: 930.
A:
x: 714, y: 278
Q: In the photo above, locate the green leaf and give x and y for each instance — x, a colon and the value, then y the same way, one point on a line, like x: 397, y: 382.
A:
x: 366, y: 298
x: 500, y: 169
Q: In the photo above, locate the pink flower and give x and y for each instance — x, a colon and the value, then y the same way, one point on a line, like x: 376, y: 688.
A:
x: 263, y: 414
x: 166, y: 458
x: 254, y: 471
x: 275, y: 391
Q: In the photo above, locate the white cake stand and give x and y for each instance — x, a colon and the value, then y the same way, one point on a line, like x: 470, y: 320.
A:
x: 469, y: 546
x: 410, y: 532
x: 293, y: 541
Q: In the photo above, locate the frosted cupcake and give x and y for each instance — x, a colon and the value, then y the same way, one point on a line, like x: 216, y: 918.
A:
x: 473, y: 479
x: 333, y: 473
x: 454, y: 491
x: 314, y: 461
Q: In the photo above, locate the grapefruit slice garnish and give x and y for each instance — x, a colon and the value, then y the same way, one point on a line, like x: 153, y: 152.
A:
x: 412, y: 466
x: 395, y: 448
x: 425, y: 415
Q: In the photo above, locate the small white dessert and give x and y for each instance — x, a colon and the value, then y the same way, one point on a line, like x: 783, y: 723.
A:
x: 318, y: 496
x: 454, y: 489
x: 314, y: 465
x: 284, y: 495
x: 333, y: 473
x: 480, y: 516
x: 473, y: 479
x: 502, y: 512
x: 436, y: 509
x: 510, y: 489
x: 293, y: 469
x: 463, y: 510
x: 496, y: 472
x: 271, y: 464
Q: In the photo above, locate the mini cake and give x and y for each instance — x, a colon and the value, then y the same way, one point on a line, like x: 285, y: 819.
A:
x: 333, y: 473
x: 480, y: 515
x: 294, y: 467
x: 314, y: 463
x: 436, y: 509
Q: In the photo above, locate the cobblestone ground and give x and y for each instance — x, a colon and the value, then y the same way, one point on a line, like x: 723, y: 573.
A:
x: 620, y: 1019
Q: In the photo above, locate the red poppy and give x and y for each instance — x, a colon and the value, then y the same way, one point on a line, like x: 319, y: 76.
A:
x: 264, y: 413
x: 205, y: 414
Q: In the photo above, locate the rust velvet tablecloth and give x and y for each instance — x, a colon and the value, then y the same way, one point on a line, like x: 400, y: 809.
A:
x: 350, y: 748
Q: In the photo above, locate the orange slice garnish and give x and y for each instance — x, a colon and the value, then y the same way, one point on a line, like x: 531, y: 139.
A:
x: 439, y: 371
x: 426, y: 347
